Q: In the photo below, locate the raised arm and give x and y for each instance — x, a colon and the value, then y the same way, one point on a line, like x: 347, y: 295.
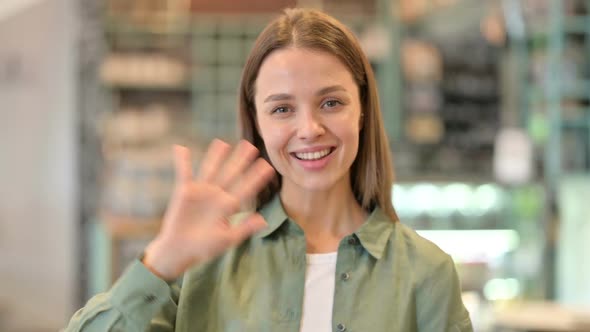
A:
x: 195, y: 230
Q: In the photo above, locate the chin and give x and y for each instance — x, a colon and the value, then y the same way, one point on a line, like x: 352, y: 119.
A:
x: 316, y: 183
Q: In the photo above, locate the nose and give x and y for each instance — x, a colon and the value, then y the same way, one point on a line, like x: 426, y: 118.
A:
x: 309, y: 125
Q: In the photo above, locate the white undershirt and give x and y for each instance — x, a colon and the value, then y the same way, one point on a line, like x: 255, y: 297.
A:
x: 318, y: 297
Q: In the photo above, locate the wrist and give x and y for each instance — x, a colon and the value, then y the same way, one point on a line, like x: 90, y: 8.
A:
x: 158, y: 260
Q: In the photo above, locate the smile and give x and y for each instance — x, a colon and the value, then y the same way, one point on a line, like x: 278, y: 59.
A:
x: 316, y: 155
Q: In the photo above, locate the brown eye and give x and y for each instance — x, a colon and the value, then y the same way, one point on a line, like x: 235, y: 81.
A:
x: 332, y: 103
x: 280, y: 110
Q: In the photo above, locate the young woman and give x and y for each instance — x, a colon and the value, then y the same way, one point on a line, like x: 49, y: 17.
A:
x: 322, y: 250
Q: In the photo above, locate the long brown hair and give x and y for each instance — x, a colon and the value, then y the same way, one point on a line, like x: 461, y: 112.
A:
x: 372, y: 171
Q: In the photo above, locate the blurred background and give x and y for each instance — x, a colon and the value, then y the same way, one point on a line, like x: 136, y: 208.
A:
x: 486, y: 104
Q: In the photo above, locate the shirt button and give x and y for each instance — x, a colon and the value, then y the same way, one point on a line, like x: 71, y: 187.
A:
x: 345, y: 276
x: 149, y: 298
x: 341, y: 327
x: 352, y: 241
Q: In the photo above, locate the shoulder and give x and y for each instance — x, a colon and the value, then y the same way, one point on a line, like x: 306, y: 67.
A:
x: 436, y: 283
x: 425, y: 257
x: 419, y: 248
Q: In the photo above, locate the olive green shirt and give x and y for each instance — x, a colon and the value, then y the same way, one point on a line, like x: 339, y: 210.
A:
x: 388, y: 278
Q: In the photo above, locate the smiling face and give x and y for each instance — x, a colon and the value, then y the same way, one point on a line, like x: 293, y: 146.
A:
x: 308, y: 114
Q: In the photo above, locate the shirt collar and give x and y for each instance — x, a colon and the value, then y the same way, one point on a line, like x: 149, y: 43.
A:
x: 376, y: 232
x: 373, y: 234
x: 274, y: 214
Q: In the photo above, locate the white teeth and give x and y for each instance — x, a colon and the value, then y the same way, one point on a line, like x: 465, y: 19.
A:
x: 313, y: 155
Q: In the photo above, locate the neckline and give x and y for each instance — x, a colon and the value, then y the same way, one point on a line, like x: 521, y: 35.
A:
x: 323, y: 258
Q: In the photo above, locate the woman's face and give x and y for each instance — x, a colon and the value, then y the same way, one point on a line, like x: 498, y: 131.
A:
x: 308, y: 114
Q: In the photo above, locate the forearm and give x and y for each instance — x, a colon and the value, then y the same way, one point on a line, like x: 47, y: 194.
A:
x: 137, y: 301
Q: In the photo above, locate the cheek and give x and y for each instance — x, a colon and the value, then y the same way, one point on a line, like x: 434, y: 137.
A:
x: 275, y: 145
x: 348, y: 130
x: 353, y: 141
x: 274, y: 137
x: 350, y: 138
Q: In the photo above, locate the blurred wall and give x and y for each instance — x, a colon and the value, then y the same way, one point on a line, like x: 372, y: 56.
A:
x: 37, y: 165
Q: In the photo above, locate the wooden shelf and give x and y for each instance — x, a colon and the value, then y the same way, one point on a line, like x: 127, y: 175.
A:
x: 180, y: 87
x: 542, y: 316
x: 122, y: 227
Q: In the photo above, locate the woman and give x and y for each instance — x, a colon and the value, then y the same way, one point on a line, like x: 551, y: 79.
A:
x: 323, y: 250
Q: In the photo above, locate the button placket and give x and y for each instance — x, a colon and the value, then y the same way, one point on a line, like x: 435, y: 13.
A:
x: 345, y: 266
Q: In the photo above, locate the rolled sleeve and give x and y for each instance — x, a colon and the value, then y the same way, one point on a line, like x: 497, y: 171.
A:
x: 131, y: 304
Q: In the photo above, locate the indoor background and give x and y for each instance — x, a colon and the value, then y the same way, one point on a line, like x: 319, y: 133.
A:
x: 486, y: 104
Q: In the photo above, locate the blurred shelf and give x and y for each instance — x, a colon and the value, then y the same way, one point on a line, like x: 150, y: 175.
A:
x: 541, y: 30
x: 445, y: 177
x: 122, y: 227
x: 186, y: 87
x: 577, y: 24
x: 439, y: 14
x: 475, y: 245
x: 542, y: 316
x: 142, y: 36
x: 582, y: 123
x: 580, y: 91
x: 173, y: 28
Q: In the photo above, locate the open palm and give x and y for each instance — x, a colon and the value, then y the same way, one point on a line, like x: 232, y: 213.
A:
x: 196, y: 227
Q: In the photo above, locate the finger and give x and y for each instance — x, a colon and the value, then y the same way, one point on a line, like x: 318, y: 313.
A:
x: 255, y: 178
x: 245, y: 229
x: 182, y: 164
x: 216, y: 153
x: 240, y: 160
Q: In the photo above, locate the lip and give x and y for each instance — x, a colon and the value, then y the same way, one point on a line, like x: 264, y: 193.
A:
x: 314, y: 165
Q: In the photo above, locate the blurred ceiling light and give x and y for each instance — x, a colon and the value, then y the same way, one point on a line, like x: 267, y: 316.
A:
x: 486, y: 198
x: 457, y: 197
x: 399, y: 198
x: 482, y: 245
x: 424, y: 198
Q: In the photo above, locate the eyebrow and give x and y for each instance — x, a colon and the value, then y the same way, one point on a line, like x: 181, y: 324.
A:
x: 329, y: 89
x: 286, y: 96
